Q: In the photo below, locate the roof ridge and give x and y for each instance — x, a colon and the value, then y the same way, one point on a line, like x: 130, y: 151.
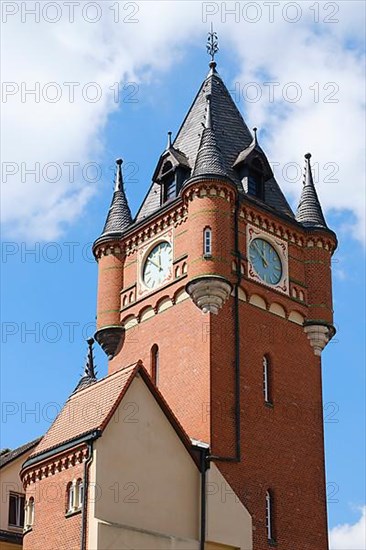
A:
x: 103, y: 380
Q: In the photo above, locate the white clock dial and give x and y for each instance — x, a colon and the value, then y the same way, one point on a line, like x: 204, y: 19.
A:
x: 158, y: 265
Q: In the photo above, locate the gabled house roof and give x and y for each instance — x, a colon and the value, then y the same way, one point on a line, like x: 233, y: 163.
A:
x: 9, y: 456
x: 89, y: 410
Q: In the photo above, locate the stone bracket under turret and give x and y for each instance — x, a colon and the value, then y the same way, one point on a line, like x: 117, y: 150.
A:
x: 319, y: 335
x: 209, y: 293
x: 109, y: 339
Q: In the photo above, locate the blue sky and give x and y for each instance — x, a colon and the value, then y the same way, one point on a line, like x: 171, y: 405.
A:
x: 52, y: 290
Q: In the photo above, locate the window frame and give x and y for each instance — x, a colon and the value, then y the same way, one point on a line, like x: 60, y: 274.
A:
x: 19, y: 509
x: 29, y: 514
x: 267, y: 379
x: 70, y: 498
x: 207, y: 242
x: 79, y: 494
x: 269, y: 517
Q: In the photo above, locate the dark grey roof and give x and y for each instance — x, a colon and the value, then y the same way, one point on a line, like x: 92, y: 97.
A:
x: 12, y: 455
x: 119, y: 214
x: 209, y: 160
x: 180, y: 157
x: 232, y: 137
x: 309, y: 212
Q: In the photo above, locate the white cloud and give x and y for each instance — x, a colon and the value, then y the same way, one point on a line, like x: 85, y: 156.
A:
x: 349, y: 536
x: 107, y: 52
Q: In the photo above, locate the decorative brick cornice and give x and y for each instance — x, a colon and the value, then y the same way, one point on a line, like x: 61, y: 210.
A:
x: 107, y: 249
x: 53, y: 465
x: 173, y: 218
x: 278, y: 228
x: 210, y: 188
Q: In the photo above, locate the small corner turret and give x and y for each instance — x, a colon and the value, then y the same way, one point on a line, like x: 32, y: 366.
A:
x: 108, y: 251
x: 319, y: 324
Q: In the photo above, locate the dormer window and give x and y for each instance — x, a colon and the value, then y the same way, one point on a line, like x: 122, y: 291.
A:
x: 168, y: 182
x: 255, y: 179
x: 171, y: 172
x: 169, y: 189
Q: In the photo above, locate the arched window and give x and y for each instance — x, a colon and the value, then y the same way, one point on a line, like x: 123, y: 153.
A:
x: 267, y: 379
x: 70, y: 497
x: 155, y: 364
x: 29, y: 514
x: 79, y: 493
x: 269, y: 516
x: 207, y: 241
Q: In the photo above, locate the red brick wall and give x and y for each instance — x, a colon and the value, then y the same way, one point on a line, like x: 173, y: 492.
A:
x: 318, y: 279
x: 110, y: 282
x: 182, y: 334
x: 281, y: 446
x: 51, y: 529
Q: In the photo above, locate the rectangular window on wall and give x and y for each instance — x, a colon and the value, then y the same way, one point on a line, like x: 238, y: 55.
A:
x: 207, y: 242
x: 16, y: 510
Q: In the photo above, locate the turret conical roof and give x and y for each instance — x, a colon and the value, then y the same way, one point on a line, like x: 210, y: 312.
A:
x: 309, y: 212
x: 119, y: 214
x: 209, y: 159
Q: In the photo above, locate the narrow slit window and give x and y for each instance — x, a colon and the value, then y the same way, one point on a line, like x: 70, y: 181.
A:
x: 269, y: 516
x: 155, y: 364
x: 266, y: 379
x: 70, y: 497
x: 207, y: 242
x: 29, y: 514
x: 80, y: 493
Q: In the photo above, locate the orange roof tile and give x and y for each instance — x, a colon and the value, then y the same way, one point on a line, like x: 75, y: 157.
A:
x: 87, y: 410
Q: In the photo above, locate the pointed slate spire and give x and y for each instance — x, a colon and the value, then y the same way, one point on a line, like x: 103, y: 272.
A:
x: 232, y: 137
x: 119, y: 215
x: 309, y: 212
x: 89, y: 376
x: 209, y: 161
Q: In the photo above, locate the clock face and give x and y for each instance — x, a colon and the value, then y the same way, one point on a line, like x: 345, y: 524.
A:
x: 158, y: 264
x: 265, y: 261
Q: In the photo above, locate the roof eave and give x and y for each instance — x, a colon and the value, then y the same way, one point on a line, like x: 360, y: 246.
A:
x: 58, y: 449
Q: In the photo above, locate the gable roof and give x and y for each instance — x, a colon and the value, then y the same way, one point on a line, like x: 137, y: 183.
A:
x: 8, y: 457
x: 87, y: 410
x: 232, y: 137
x: 90, y: 409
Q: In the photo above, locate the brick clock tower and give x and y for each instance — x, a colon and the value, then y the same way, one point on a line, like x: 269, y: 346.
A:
x: 226, y: 297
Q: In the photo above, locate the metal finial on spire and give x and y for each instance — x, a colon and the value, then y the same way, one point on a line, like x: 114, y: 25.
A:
x: 119, y: 178
x: 212, y: 45
x: 89, y: 367
x: 169, y: 143
x: 255, y: 135
x: 308, y: 174
x: 90, y: 376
